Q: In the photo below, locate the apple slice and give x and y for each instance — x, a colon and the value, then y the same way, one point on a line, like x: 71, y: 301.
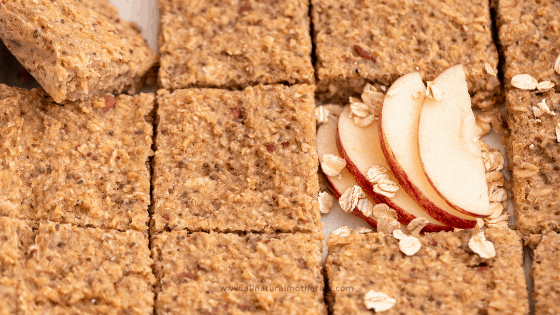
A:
x: 326, y: 144
x: 398, y: 126
x: 361, y: 148
x: 449, y: 147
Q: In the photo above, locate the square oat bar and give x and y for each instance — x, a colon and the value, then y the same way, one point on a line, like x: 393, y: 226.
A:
x: 215, y: 273
x: 234, y: 44
x: 529, y: 32
x: 444, y: 277
x: 74, y: 52
x: 50, y: 268
x: 546, y: 275
x: 533, y: 152
x: 379, y: 41
x: 83, y: 163
x: 236, y: 160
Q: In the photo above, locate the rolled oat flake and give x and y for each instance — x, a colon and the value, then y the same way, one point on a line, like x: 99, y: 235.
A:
x: 378, y: 301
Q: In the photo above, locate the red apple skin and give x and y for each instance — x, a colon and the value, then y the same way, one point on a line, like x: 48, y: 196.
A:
x: 452, y: 205
x: 403, y: 216
x: 401, y: 176
x: 356, y: 211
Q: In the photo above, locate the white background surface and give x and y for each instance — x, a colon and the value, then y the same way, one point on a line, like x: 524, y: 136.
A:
x: 145, y: 14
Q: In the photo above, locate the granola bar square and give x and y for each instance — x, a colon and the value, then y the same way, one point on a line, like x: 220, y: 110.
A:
x: 234, y: 44
x: 360, y: 42
x: 528, y: 34
x: 218, y: 273
x: 83, y: 163
x: 532, y: 153
x: 61, y: 269
x: 444, y: 277
x: 236, y: 160
x: 73, y: 49
x: 546, y: 274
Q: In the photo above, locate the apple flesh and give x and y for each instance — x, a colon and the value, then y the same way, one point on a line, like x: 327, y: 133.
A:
x: 361, y: 148
x: 326, y: 144
x: 398, y: 126
x: 449, y: 149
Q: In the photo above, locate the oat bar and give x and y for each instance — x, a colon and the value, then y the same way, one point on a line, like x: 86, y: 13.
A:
x: 379, y: 41
x: 234, y: 44
x: 236, y: 160
x: 83, y: 163
x: 529, y: 33
x: 444, y: 277
x: 533, y: 150
x: 50, y: 268
x: 546, y: 275
x: 75, y: 53
x: 214, y: 273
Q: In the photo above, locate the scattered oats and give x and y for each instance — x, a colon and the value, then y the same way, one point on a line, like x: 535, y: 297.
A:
x: 503, y: 217
x: 557, y: 64
x: 545, y: 86
x: 524, y: 82
x: 409, y: 245
x: 417, y: 94
x: 541, y: 109
x: 349, y: 199
x: 479, y: 224
x: 416, y: 225
x: 387, y: 225
x: 500, y: 225
x: 558, y: 132
x: 321, y: 114
x: 489, y: 69
x: 382, y: 184
x: 366, y: 207
x: 493, y: 160
x: 359, y: 109
x: 393, y: 91
x: 364, y: 122
x: 332, y: 165
x: 362, y: 230
x: 433, y: 91
x: 496, y: 210
x: 326, y: 202
x: 481, y: 246
x: 382, y: 210
x: 373, y: 98
x: 378, y: 301
x: 483, y: 121
x: 341, y: 231
x: 499, y: 195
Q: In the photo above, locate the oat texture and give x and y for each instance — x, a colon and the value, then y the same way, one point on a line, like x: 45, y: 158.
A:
x: 528, y: 33
x: 76, y: 49
x: 83, y: 163
x: 203, y: 273
x: 379, y: 41
x: 236, y: 161
x: 533, y: 151
x: 234, y: 44
x: 50, y: 268
x: 546, y: 275
x: 443, y: 277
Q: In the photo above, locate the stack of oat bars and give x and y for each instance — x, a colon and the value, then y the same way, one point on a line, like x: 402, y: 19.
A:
x: 203, y: 198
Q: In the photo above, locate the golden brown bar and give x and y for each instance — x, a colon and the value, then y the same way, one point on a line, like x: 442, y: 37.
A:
x: 236, y: 161
x: 379, y: 41
x: 216, y: 273
x: 234, y: 44
x: 83, y: 163
x: 444, y: 277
